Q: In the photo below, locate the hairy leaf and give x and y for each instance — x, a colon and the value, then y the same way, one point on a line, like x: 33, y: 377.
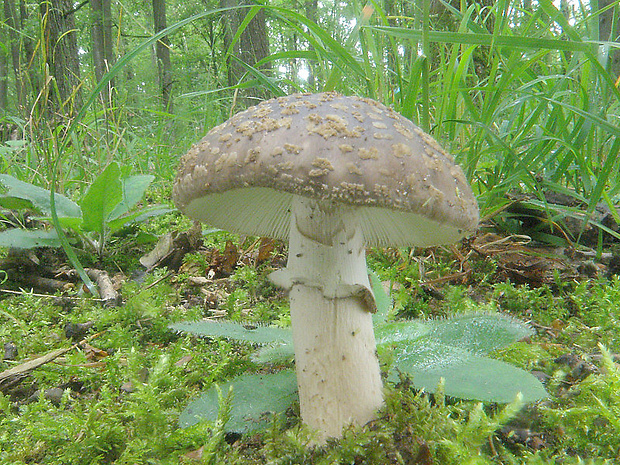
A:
x: 409, y: 330
x: 480, y: 334
x: 280, y: 353
x: 466, y: 375
x: 255, y: 399
x: 236, y: 331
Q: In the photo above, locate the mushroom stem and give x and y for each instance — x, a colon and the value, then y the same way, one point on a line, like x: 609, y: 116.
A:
x: 331, y: 302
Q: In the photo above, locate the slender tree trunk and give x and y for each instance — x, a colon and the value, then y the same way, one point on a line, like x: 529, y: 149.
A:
x: 62, y: 54
x: 311, y: 7
x: 252, y: 46
x: 391, y: 10
x: 163, y: 54
x: 28, y: 48
x: 609, y: 29
x: 10, y: 17
x: 4, y: 77
x: 103, y: 55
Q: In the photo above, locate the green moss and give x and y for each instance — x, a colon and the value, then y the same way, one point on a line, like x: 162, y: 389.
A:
x: 123, y: 408
x: 588, y: 415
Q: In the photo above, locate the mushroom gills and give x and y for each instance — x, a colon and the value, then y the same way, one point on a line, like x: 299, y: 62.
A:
x: 264, y: 211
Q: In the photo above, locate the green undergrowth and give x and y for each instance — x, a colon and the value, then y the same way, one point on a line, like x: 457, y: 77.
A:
x: 121, y: 404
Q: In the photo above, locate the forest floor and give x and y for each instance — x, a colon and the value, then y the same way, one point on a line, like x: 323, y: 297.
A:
x: 88, y: 382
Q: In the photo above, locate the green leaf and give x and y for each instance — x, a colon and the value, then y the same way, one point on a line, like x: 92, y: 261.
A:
x: 519, y: 42
x: 280, y: 353
x: 15, y: 203
x: 454, y: 349
x: 39, y: 197
x: 134, y: 188
x: 28, y: 239
x: 137, y: 217
x: 256, y: 398
x: 479, y: 334
x: 74, y: 224
x: 236, y: 331
x: 466, y: 375
x: 409, y: 330
x: 340, y: 56
x: 263, y: 80
x: 102, y: 197
x: 382, y: 300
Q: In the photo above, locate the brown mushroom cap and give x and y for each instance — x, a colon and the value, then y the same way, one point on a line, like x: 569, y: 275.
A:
x: 243, y: 174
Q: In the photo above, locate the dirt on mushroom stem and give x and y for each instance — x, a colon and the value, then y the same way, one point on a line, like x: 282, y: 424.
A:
x: 331, y: 302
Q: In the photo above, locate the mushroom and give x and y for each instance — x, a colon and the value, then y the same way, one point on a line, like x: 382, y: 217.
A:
x: 332, y: 175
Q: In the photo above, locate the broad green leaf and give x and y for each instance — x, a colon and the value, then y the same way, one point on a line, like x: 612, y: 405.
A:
x: 15, y: 203
x: 480, y: 334
x: 236, y: 331
x: 39, y: 197
x: 102, y: 197
x: 280, y: 353
x: 28, y: 239
x: 466, y: 375
x: 137, y: 217
x: 398, y: 331
x: 74, y: 224
x: 255, y: 399
x: 134, y: 188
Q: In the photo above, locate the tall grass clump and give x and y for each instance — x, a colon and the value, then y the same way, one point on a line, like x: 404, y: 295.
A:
x: 523, y: 98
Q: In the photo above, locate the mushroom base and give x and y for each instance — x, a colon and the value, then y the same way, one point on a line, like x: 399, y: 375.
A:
x: 331, y: 302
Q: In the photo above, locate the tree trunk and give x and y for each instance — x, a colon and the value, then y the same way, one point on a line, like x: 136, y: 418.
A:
x: 4, y: 77
x: 252, y: 46
x: 28, y: 58
x: 609, y: 30
x: 11, y: 19
x: 311, y: 8
x: 61, y: 54
x: 163, y: 54
x: 103, y: 55
x: 392, y: 12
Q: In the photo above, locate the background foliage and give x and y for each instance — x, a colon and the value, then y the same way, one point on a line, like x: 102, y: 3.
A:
x: 524, y: 93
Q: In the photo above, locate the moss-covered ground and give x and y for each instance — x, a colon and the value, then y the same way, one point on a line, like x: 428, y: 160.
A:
x: 116, y: 399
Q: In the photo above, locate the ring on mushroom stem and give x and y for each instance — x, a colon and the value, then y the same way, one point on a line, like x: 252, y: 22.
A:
x: 331, y: 175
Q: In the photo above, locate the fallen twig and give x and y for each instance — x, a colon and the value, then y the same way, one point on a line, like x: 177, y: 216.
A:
x: 49, y: 296
x: 26, y: 367
x: 108, y: 294
x: 159, y: 280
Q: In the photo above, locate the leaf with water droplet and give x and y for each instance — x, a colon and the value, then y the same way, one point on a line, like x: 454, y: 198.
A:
x: 467, y: 375
x: 255, y: 399
x: 236, y: 331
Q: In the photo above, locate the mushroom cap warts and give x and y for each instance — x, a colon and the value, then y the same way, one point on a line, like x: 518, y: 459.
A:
x: 243, y: 174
